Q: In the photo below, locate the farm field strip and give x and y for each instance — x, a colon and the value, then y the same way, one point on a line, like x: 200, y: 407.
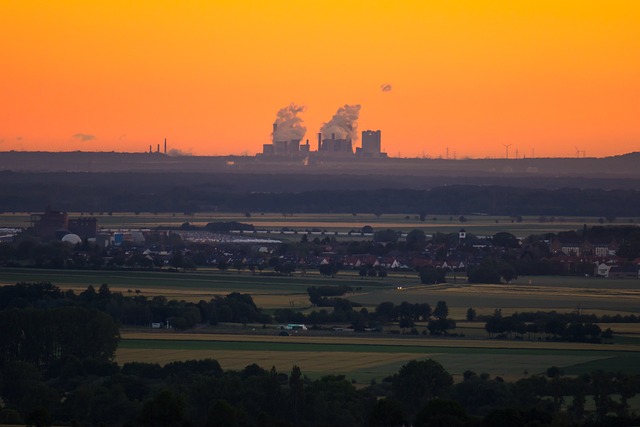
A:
x: 312, y: 361
x: 365, y: 366
x: 179, y: 281
x: 350, y: 343
x: 537, y: 290
x: 486, y: 302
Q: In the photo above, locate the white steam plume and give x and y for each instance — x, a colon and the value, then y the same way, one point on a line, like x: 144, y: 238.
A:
x: 344, y: 123
x: 288, y: 125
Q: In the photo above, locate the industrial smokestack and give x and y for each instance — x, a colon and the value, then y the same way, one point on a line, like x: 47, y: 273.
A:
x: 158, y: 148
x: 343, y: 124
x: 165, y: 146
x: 288, y: 126
x: 150, y: 149
x: 319, y: 141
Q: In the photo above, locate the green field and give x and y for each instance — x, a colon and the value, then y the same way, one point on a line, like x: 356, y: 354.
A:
x: 365, y: 361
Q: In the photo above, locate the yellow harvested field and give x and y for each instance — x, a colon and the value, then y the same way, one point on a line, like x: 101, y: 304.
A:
x: 308, y: 361
x: 266, y: 300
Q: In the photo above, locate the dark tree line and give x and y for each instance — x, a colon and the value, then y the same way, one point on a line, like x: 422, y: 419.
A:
x: 404, y: 314
x: 320, y: 295
x: 136, y: 309
x: 199, y: 393
x: 100, y: 193
x: 547, y: 325
x: 42, y: 336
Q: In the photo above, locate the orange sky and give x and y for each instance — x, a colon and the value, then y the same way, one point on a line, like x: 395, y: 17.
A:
x: 210, y: 76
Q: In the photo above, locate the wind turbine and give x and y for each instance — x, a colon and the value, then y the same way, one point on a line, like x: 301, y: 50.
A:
x: 506, y: 146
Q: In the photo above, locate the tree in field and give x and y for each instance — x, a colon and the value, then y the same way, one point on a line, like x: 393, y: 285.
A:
x: 441, y: 311
x: 471, y: 314
x: 385, y: 311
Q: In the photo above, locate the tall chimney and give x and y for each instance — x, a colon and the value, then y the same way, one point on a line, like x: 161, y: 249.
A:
x: 333, y: 136
x: 275, y: 127
x: 158, y: 148
x: 150, y: 149
x: 319, y: 141
x: 165, y: 146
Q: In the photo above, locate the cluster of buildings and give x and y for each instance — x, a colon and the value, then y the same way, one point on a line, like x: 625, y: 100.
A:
x: 55, y: 224
x: 328, y: 147
x: 602, y: 254
x: 52, y: 224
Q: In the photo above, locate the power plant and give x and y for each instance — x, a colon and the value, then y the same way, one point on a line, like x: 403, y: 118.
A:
x: 328, y: 147
x: 335, y: 138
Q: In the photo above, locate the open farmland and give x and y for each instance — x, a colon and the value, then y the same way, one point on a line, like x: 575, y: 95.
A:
x: 560, y: 293
x: 356, y: 356
x: 274, y: 291
x: 612, y: 297
x: 364, y: 359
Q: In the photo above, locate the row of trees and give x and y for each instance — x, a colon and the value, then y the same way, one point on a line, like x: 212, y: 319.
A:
x: 136, y: 309
x: 551, y: 324
x: 240, y: 308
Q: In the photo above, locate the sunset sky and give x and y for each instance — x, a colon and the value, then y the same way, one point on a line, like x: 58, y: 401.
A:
x: 548, y: 77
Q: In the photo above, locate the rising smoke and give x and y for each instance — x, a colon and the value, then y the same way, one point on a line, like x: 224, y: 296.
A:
x: 344, y: 123
x: 289, y: 125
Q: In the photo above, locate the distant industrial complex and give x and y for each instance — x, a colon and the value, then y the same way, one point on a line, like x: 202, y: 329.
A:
x: 327, y: 147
